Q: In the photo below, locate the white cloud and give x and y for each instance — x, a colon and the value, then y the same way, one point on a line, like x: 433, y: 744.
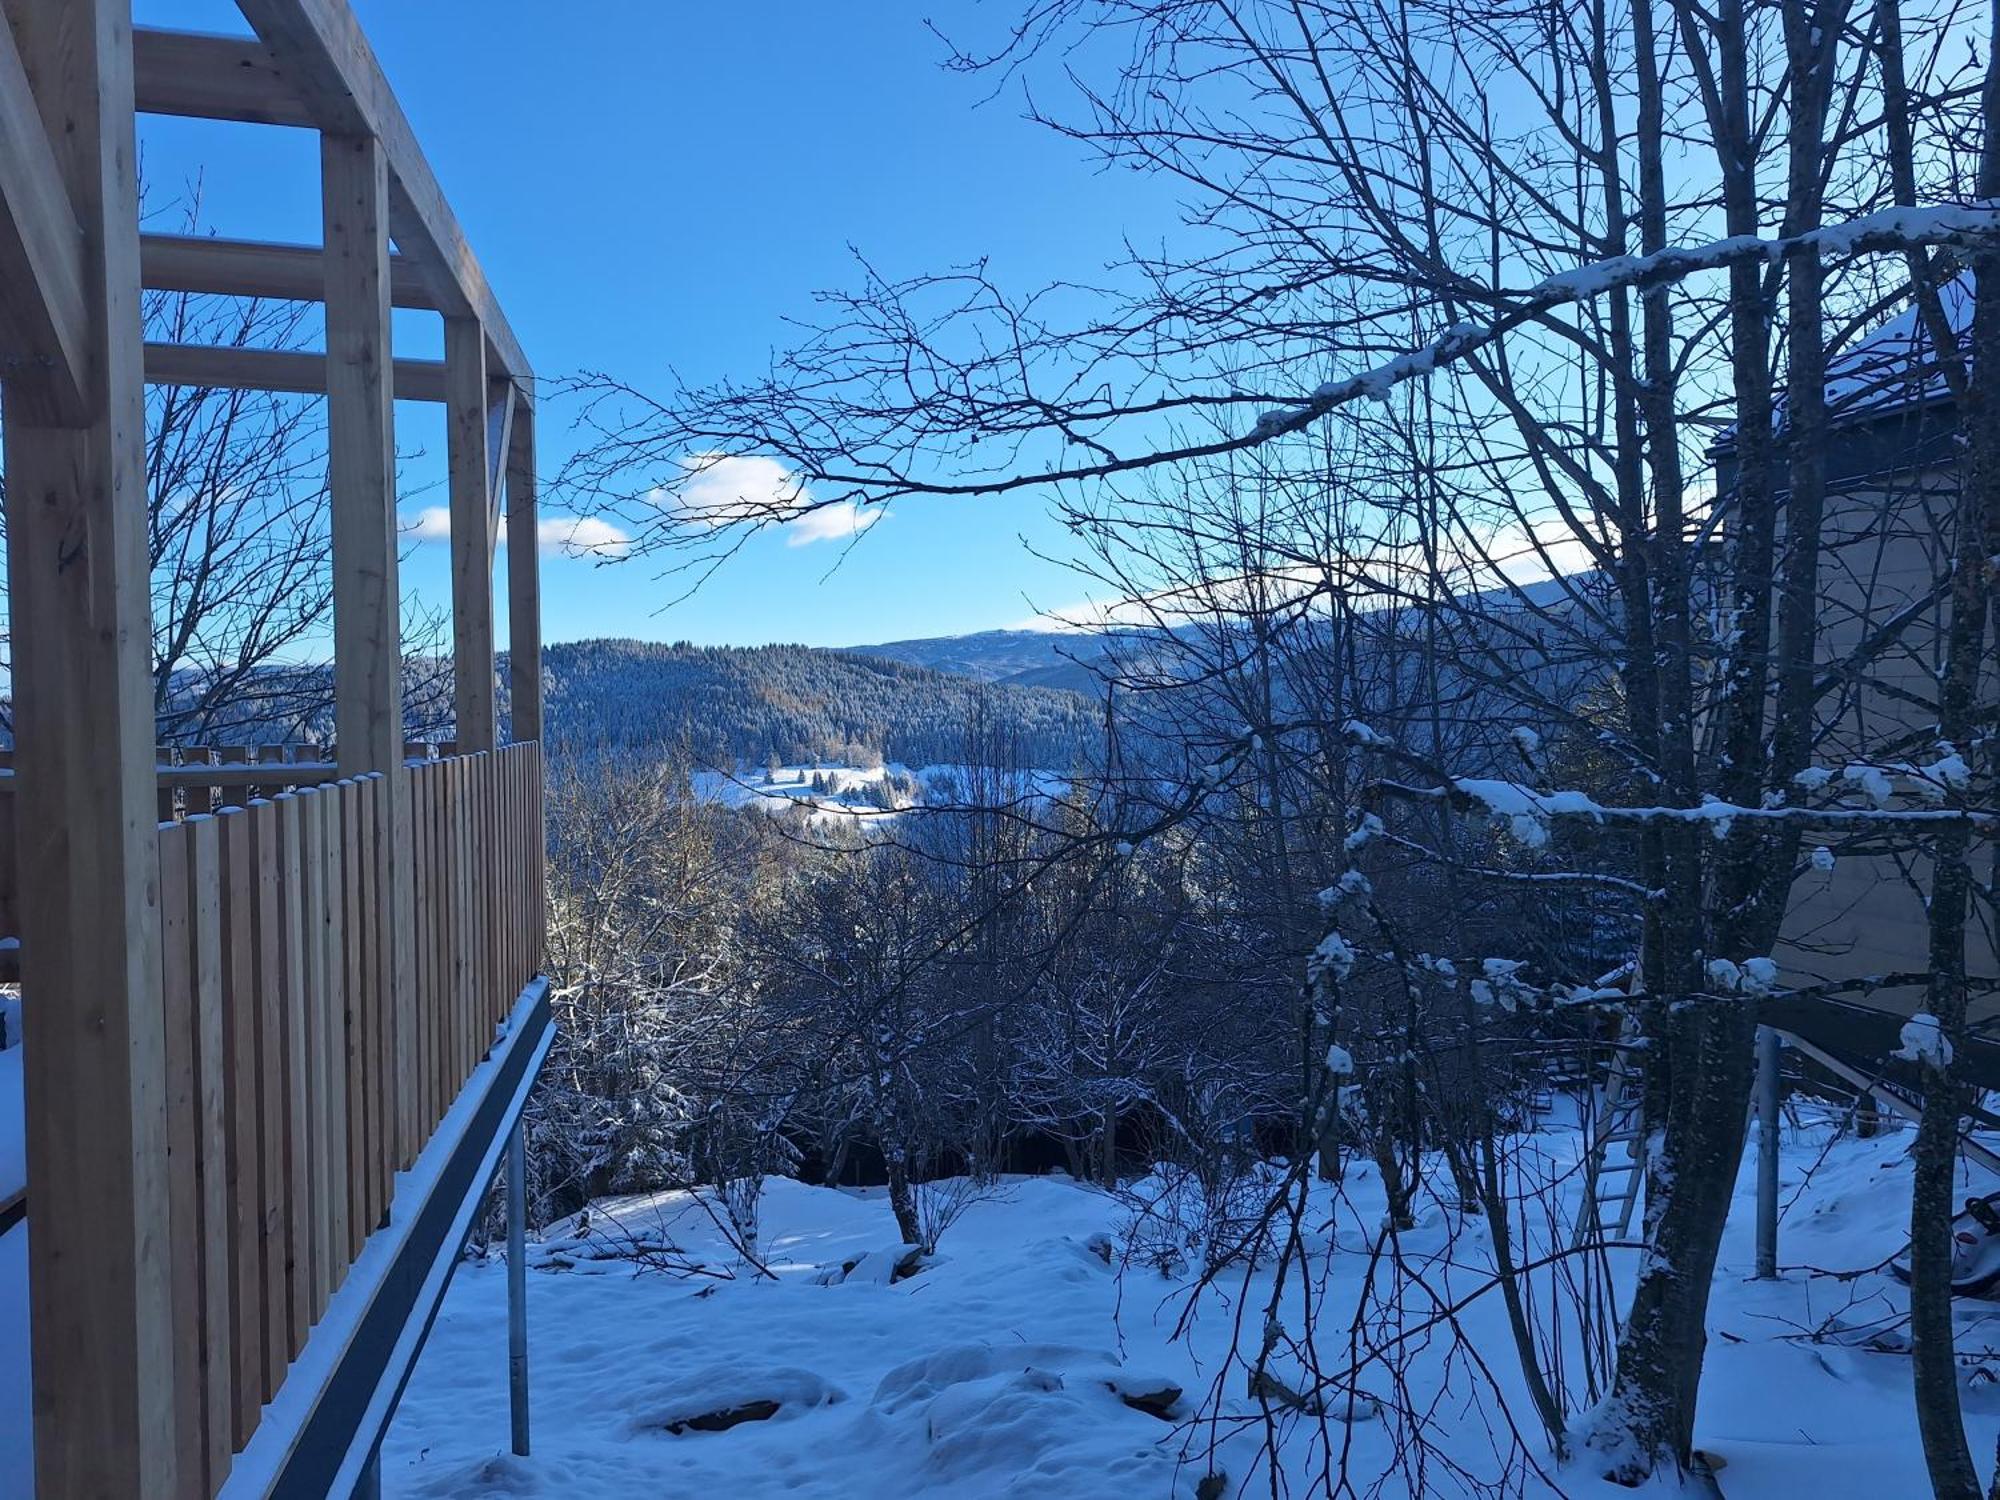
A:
x: 831, y: 523
x: 580, y: 536
x: 723, y: 489
x: 556, y: 536
x: 431, y: 524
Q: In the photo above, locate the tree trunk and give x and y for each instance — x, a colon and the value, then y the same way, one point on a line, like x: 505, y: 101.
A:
x: 1706, y: 1045
x: 902, y: 1196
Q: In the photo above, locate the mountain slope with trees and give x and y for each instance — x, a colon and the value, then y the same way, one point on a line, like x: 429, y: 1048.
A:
x: 746, y: 704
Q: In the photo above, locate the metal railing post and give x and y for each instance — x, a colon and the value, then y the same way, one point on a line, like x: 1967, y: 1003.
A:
x: 517, y: 1285
x: 1767, y: 1153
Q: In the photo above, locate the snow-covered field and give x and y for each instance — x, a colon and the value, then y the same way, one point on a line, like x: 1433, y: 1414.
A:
x: 998, y: 1370
x: 843, y: 791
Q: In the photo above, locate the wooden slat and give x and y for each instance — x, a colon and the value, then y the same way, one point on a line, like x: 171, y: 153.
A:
x: 511, y: 844
x: 443, y: 874
x: 383, y: 998
x: 541, y: 836
x: 334, y: 937
x: 462, y: 923
x: 183, y: 1109
x: 241, y: 1061
x: 354, y: 1028
x: 212, y: 1147
x: 258, y: 268
x: 294, y: 1008
x: 44, y: 323
x: 212, y: 77
x: 421, y: 884
x: 301, y: 372
x: 399, y: 974
x: 270, y: 1015
x: 325, y: 57
x: 312, y: 946
x: 483, y: 980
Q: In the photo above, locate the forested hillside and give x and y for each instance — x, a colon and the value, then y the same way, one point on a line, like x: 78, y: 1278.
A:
x: 746, y: 704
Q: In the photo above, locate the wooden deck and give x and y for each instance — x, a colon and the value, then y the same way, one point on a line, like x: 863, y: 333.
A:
x: 300, y: 1080
x: 279, y: 1017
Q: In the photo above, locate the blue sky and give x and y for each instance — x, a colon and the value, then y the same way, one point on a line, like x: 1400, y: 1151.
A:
x: 654, y: 186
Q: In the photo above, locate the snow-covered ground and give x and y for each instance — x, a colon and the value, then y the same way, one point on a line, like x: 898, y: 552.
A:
x: 842, y: 791
x: 998, y: 1370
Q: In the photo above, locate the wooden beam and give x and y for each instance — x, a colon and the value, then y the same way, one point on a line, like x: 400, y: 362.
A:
x: 298, y: 371
x: 100, y: 1309
x: 469, y: 471
x: 361, y: 453
x: 361, y: 457
x: 320, y: 48
x: 43, y: 323
x: 524, y: 584
x: 212, y: 78
x: 256, y: 268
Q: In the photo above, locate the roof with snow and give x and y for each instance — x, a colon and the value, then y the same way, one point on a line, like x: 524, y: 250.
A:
x: 1888, y: 403
x: 1897, y: 366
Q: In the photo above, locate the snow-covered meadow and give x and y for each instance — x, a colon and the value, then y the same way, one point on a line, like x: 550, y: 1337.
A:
x: 831, y: 792
x: 1002, y: 1367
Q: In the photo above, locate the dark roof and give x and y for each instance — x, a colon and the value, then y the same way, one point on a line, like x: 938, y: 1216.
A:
x: 1897, y: 366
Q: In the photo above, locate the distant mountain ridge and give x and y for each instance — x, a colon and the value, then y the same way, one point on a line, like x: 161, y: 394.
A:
x: 743, y: 705
x: 1020, y: 658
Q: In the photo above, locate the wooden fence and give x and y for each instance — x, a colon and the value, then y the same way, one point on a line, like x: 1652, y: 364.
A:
x: 301, y: 1074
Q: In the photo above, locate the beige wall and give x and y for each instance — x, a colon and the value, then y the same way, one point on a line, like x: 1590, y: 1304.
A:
x: 1886, y: 544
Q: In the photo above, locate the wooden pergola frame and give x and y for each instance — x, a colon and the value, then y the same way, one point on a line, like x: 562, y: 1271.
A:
x: 73, y: 364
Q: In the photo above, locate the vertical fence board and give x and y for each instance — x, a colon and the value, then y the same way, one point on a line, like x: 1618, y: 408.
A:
x: 295, y: 1030
x: 212, y: 1146
x: 353, y: 1031
x: 312, y: 949
x: 269, y: 1007
x: 334, y: 1038
x: 183, y: 1129
x: 240, y: 1121
x: 421, y: 882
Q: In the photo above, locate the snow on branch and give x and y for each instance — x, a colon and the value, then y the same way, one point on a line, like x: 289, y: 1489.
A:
x: 1888, y: 230
x: 1530, y: 811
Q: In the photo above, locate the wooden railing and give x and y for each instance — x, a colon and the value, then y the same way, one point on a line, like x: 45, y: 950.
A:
x: 302, y: 1075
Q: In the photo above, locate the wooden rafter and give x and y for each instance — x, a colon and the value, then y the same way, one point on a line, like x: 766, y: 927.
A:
x: 42, y: 308
x: 209, y: 77
x: 299, y: 371
x: 309, y: 65
x: 321, y: 49
x: 259, y: 268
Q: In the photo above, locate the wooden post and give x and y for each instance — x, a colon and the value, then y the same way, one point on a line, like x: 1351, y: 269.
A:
x: 471, y: 533
x: 524, y: 578
x: 80, y: 607
x: 361, y: 458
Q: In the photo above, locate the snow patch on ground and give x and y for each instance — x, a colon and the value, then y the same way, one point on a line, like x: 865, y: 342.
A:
x: 1002, y: 1368
x: 836, y: 792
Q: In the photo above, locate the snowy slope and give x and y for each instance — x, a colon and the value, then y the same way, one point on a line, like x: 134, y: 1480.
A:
x: 992, y: 1373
